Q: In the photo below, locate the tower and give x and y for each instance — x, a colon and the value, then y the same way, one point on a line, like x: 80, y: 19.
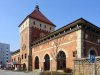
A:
x: 33, y: 27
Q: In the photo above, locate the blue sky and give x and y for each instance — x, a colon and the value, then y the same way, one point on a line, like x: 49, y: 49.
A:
x: 60, y: 12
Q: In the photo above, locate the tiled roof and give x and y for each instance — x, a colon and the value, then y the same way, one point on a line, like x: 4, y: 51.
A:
x: 66, y: 29
x: 36, y: 14
x: 17, y: 51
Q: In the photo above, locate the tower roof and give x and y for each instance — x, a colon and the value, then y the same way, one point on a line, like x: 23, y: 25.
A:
x: 36, y: 14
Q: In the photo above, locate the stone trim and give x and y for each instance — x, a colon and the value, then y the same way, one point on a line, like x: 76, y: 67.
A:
x: 54, y: 46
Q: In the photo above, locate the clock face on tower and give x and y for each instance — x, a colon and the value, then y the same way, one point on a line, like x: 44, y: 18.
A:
x: 23, y: 47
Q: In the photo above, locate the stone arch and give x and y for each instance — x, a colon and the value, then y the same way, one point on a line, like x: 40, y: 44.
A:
x: 61, y: 60
x: 24, y: 67
x: 64, y: 52
x: 35, y: 57
x: 45, y: 54
x: 93, y: 51
x: 46, y: 62
x: 36, y: 62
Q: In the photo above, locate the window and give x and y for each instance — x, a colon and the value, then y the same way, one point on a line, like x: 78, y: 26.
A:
x: 40, y: 25
x: 23, y: 26
x: 36, y: 62
x: 26, y: 23
x: 61, y: 60
x: 34, y: 23
x: 22, y: 56
x: 7, y: 61
x: 47, y: 62
x: 7, y: 57
x: 1, y: 62
x: 74, y: 53
x: 45, y: 26
x: 50, y: 28
x: 25, y: 56
x: 92, y: 52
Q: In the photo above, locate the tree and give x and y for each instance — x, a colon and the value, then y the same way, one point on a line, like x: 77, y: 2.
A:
x: 55, y: 50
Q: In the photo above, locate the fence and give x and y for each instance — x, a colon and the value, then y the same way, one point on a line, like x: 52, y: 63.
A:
x: 84, y: 67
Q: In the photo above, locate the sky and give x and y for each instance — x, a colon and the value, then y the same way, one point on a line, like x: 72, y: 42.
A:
x: 60, y: 12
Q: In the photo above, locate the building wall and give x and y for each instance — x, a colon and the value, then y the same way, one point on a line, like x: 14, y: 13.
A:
x: 42, y: 27
x: 15, y: 57
x: 4, y: 54
x: 91, y: 41
x: 24, y: 46
x: 67, y: 43
x: 28, y: 34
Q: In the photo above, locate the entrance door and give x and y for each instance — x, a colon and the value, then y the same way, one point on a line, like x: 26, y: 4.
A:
x: 47, y: 62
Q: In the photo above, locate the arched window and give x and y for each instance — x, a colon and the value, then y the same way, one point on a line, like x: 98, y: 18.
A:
x: 61, y: 60
x: 47, y: 62
x: 24, y: 67
x: 22, y: 56
x: 25, y: 55
x: 36, y: 62
x: 92, y: 52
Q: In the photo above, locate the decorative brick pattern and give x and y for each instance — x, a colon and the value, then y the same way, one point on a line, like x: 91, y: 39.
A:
x: 84, y: 67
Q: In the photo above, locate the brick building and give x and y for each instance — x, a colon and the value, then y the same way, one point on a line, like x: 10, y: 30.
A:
x: 41, y: 46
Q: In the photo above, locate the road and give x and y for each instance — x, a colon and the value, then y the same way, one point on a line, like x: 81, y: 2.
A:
x: 4, y: 72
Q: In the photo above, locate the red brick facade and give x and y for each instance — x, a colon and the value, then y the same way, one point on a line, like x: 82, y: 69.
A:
x: 56, y: 50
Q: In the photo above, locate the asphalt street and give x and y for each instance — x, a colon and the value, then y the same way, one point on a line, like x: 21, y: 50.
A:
x: 4, y: 72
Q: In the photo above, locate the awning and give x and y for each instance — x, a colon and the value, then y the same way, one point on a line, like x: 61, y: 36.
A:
x: 10, y: 63
x: 14, y: 62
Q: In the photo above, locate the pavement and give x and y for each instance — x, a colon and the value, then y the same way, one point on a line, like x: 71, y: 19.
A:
x: 5, y: 72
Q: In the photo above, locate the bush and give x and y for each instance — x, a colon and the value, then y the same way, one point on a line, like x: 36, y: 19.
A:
x: 54, y: 73
x: 67, y: 70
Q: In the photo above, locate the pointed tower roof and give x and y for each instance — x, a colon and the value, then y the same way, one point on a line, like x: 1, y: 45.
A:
x: 36, y: 14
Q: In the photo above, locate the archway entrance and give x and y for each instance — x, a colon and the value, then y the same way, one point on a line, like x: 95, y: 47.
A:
x: 61, y: 60
x: 92, y: 52
x: 24, y: 66
x: 47, y: 62
x: 36, y: 62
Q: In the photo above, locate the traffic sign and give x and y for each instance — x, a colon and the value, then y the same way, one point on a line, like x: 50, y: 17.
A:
x: 92, y: 58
